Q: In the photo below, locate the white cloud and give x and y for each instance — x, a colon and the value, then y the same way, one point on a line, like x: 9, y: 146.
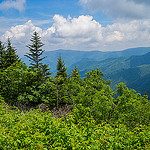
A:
x: 20, y: 35
x: 72, y: 32
x: 83, y: 26
x: 7, y: 23
x: 122, y: 9
x: 21, y: 31
x: 114, y: 36
x: 82, y: 33
x: 18, y: 5
x: 134, y: 30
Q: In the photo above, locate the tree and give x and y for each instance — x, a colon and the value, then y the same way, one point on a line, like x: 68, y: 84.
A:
x: 75, y: 85
x: 95, y: 79
x: 61, y: 69
x: 35, y: 51
x: 75, y: 76
x: 130, y: 107
x: 2, y: 55
x: 75, y: 72
x: 16, y: 80
x: 9, y: 55
x: 61, y: 80
x: 35, y: 56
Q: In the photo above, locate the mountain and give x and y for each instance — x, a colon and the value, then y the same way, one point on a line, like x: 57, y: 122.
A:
x: 142, y: 85
x: 111, y: 65
x: 134, y: 71
x: 131, y: 66
x: 130, y: 75
x: 72, y: 57
x: 137, y: 78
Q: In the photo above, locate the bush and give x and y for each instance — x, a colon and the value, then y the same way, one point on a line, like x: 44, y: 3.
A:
x: 37, y: 130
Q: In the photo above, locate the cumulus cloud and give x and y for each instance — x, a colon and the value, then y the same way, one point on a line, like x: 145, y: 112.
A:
x: 18, y: 5
x: 129, y: 9
x: 20, y: 35
x: 83, y: 29
x: 137, y: 30
x: 21, y: 31
x: 67, y: 33
x: 83, y: 33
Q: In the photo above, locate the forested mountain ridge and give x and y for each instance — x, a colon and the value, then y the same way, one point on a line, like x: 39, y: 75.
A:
x: 120, y: 66
x: 73, y: 57
x: 129, y: 70
x: 132, y: 77
x: 114, y: 64
x: 140, y: 60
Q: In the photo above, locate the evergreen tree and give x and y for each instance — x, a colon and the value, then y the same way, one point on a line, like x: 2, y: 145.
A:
x: 75, y: 85
x: 35, y: 51
x: 75, y: 77
x: 44, y: 71
x: 60, y: 81
x: 2, y: 55
x: 61, y: 69
x: 35, y: 56
x: 75, y: 73
x: 10, y: 55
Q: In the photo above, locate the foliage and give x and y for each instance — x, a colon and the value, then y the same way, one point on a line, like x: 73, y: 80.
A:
x: 92, y: 92
x: 37, y: 130
x: 16, y: 79
x: 61, y: 69
x: 75, y: 86
x: 19, y: 86
x: 47, y: 92
x: 2, y: 55
x: 61, y: 82
x: 130, y: 108
x: 35, y: 56
x: 35, y: 51
x: 8, y: 55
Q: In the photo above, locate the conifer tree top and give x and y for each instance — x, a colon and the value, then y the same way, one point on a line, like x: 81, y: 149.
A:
x: 61, y: 69
x: 35, y: 51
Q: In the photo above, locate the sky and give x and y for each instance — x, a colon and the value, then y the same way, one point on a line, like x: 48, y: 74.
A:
x: 105, y: 25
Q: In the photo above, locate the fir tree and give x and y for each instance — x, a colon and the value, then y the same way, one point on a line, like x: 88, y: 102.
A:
x: 61, y: 69
x: 61, y: 81
x: 75, y: 73
x: 2, y: 55
x: 10, y: 55
x: 35, y: 56
x: 35, y: 51
x: 75, y: 76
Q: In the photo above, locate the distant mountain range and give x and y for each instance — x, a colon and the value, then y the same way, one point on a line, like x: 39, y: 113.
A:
x: 72, y: 57
x: 131, y: 66
x: 134, y: 71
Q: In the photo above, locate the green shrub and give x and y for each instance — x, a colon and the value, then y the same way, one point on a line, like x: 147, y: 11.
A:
x: 37, y: 130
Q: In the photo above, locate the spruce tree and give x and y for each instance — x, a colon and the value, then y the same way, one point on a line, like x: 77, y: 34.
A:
x: 75, y: 73
x: 60, y: 81
x: 75, y: 76
x: 61, y: 69
x: 2, y: 55
x: 10, y: 55
x: 75, y: 85
x: 35, y: 51
x: 35, y: 56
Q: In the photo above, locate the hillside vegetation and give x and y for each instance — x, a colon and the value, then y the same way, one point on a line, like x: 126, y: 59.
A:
x: 99, y: 118
x: 130, y: 70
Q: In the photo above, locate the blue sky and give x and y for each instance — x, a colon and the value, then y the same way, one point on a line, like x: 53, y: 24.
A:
x: 76, y: 24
